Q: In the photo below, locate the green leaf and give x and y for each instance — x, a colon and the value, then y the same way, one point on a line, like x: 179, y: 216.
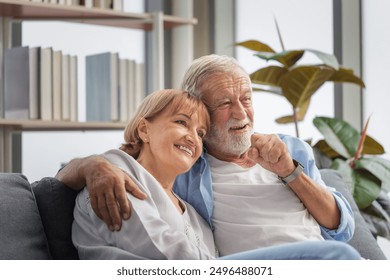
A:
x: 255, y: 46
x: 270, y: 75
x: 379, y: 167
x: 366, y: 188
x: 270, y: 89
x: 287, y: 58
x: 300, y: 83
x: 346, y: 75
x: 341, y: 136
x: 301, y: 112
x: 346, y: 171
x: 328, y: 59
x: 326, y: 149
x: 372, y: 147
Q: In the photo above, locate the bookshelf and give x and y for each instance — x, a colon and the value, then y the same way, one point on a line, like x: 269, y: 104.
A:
x: 17, y: 10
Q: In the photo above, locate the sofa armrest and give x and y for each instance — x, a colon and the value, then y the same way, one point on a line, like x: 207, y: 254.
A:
x: 363, y: 241
x: 56, y: 203
x: 21, y: 232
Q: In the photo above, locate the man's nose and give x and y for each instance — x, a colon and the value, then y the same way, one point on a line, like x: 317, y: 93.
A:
x: 238, y: 111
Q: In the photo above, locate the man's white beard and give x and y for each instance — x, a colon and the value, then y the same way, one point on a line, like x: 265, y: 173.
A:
x: 222, y: 141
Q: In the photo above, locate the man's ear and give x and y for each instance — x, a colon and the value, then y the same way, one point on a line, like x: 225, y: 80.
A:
x: 142, y: 130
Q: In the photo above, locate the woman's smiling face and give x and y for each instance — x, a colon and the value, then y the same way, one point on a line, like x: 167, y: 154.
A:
x: 174, y: 140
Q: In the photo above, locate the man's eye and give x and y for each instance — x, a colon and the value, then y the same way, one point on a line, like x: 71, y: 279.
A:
x: 224, y: 105
x: 247, y: 101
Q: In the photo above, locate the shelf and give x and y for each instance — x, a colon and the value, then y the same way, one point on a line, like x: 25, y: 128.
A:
x: 38, y: 125
x: 12, y: 11
x: 23, y: 10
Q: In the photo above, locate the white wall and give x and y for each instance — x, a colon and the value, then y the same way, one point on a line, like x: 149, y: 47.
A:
x: 376, y: 73
x: 376, y: 70
x: 44, y: 152
x: 299, y: 29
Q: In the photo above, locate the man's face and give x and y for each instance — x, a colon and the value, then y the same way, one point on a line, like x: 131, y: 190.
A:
x: 229, y: 99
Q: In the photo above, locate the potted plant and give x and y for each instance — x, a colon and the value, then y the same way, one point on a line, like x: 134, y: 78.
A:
x: 296, y: 82
x: 356, y: 156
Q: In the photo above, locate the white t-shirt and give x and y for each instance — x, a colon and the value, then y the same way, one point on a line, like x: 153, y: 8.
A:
x: 253, y: 209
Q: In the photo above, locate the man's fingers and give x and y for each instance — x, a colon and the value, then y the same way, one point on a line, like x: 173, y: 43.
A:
x: 132, y: 188
x: 94, y: 204
x: 104, y: 214
x: 253, y: 153
x: 124, y: 203
x: 113, y: 211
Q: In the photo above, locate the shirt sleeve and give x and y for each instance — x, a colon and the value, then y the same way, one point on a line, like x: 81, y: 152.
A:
x: 303, y: 152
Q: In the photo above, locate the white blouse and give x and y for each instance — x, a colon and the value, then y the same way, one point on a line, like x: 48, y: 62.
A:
x: 253, y: 209
x: 155, y: 230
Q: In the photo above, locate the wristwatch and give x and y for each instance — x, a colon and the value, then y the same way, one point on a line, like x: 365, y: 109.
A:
x: 297, y: 171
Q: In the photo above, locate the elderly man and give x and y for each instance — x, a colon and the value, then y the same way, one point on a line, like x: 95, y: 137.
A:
x: 263, y: 187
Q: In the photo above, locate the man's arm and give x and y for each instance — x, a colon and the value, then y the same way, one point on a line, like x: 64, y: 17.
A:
x: 107, y: 185
x: 320, y: 203
x: 271, y: 153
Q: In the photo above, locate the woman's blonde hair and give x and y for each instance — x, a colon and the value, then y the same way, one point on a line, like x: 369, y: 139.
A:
x: 152, y: 106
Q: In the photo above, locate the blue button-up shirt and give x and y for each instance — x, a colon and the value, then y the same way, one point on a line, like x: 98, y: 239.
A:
x: 195, y: 187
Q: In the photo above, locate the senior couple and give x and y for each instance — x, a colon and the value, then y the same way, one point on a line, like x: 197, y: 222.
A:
x: 243, y: 196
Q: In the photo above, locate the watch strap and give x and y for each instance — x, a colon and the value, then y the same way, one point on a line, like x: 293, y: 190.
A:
x: 297, y: 171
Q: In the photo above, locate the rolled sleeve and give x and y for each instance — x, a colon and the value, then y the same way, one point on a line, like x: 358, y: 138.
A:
x: 346, y: 228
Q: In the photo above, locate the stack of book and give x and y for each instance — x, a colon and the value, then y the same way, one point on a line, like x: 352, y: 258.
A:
x: 116, y: 5
x: 114, y: 87
x: 40, y: 83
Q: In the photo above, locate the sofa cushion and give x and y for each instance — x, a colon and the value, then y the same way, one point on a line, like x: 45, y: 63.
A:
x: 56, y: 203
x: 22, y: 236
x: 362, y: 239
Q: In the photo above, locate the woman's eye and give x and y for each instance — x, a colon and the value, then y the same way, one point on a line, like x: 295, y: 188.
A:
x: 201, y: 134
x: 181, y: 122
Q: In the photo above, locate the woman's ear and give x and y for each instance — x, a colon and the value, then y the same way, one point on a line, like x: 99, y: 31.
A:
x: 142, y: 130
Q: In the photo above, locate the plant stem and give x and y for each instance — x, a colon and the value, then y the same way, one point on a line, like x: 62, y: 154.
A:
x: 295, y: 117
x: 361, y: 144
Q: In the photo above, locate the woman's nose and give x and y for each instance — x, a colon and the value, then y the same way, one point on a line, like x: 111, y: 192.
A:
x: 192, y: 137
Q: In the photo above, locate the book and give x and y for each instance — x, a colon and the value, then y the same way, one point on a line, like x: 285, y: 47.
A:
x: 131, y: 80
x: 57, y: 85
x: 21, y: 86
x: 102, y: 87
x: 139, y: 91
x: 123, y: 91
x: 65, y: 93
x: 46, y: 84
x: 117, y: 5
x: 73, y: 88
x: 88, y: 3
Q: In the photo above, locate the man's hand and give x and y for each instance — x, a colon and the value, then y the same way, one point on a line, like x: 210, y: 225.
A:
x: 107, y: 185
x: 271, y: 153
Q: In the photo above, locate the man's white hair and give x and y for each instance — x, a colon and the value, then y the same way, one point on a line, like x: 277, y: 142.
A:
x: 200, y: 70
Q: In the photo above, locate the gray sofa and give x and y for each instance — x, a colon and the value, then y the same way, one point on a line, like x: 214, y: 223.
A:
x: 36, y: 219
